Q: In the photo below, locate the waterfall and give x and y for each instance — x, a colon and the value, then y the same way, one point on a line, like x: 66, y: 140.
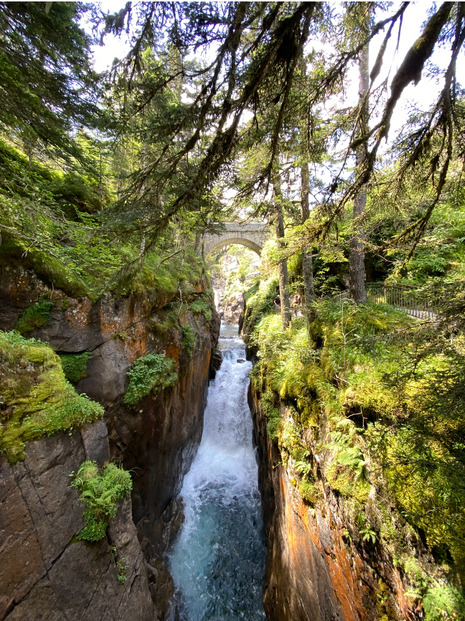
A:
x: 217, y: 561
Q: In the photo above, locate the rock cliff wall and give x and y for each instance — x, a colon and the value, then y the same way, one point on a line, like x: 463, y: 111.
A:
x: 156, y: 441
x: 45, y: 572
x: 313, y: 569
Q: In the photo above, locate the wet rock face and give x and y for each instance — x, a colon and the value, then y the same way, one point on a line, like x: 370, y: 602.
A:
x: 45, y: 573
x: 312, y: 572
x: 156, y: 441
x: 231, y: 309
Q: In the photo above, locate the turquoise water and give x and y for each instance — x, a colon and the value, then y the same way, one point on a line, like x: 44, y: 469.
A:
x: 218, y: 560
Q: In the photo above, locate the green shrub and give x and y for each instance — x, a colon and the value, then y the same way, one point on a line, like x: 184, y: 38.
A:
x: 75, y: 365
x: 100, y: 491
x: 148, y: 374
x: 35, y: 316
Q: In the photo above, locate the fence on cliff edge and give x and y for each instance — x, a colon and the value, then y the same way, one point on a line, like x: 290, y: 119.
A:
x: 414, y: 300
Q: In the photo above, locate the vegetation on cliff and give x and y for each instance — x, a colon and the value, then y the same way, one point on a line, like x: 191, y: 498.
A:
x: 34, y: 316
x: 149, y: 374
x: 100, y: 489
x: 36, y: 399
x: 368, y: 402
x: 75, y: 365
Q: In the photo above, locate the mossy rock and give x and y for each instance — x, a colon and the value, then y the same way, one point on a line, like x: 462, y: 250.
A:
x: 36, y: 398
x: 52, y: 271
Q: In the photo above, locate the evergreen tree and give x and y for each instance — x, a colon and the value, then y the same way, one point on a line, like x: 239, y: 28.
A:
x: 47, y: 86
x: 357, y: 272
x: 256, y: 47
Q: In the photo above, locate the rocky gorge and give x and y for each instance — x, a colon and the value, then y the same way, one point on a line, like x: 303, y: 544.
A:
x: 319, y: 567
x: 46, y: 571
x: 314, y: 571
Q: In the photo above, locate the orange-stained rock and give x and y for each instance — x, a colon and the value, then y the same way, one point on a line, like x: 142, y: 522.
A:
x: 312, y: 573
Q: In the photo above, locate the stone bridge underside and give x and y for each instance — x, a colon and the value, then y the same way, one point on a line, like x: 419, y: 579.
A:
x: 252, y: 235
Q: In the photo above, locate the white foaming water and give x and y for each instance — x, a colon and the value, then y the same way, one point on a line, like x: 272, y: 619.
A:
x: 218, y: 559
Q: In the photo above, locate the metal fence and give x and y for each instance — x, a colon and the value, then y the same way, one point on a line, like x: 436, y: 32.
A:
x: 415, y: 301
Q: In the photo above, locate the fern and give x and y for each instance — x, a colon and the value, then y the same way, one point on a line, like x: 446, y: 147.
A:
x: 101, y: 493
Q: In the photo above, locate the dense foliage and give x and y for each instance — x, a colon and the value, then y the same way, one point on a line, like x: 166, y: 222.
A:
x: 369, y: 402
x: 75, y: 365
x: 149, y: 374
x: 171, y: 126
x: 47, y: 85
x: 237, y: 110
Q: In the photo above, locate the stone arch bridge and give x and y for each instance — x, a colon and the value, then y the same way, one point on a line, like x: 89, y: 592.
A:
x: 251, y: 234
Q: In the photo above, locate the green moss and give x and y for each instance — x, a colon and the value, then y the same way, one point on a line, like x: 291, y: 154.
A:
x: 149, y: 374
x: 162, y: 280
x: 289, y: 437
x: 309, y: 491
x: 259, y: 302
x: 75, y: 365
x: 167, y: 319
x: 120, y: 336
x: 100, y: 490
x: 188, y: 340
x: 344, y: 480
x: 36, y: 399
x: 272, y: 413
x: 51, y: 269
x: 34, y: 317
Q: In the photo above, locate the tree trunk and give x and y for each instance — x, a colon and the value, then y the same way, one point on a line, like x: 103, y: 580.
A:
x: 282, y: 265
x: 357, y: 274
x: 307, y: 259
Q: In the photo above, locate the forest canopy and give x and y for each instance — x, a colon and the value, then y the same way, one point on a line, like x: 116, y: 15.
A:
x: 257, y: 101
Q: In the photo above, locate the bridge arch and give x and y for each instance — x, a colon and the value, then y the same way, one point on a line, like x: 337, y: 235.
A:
x: 248, y: 243
x: 251, y: 235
